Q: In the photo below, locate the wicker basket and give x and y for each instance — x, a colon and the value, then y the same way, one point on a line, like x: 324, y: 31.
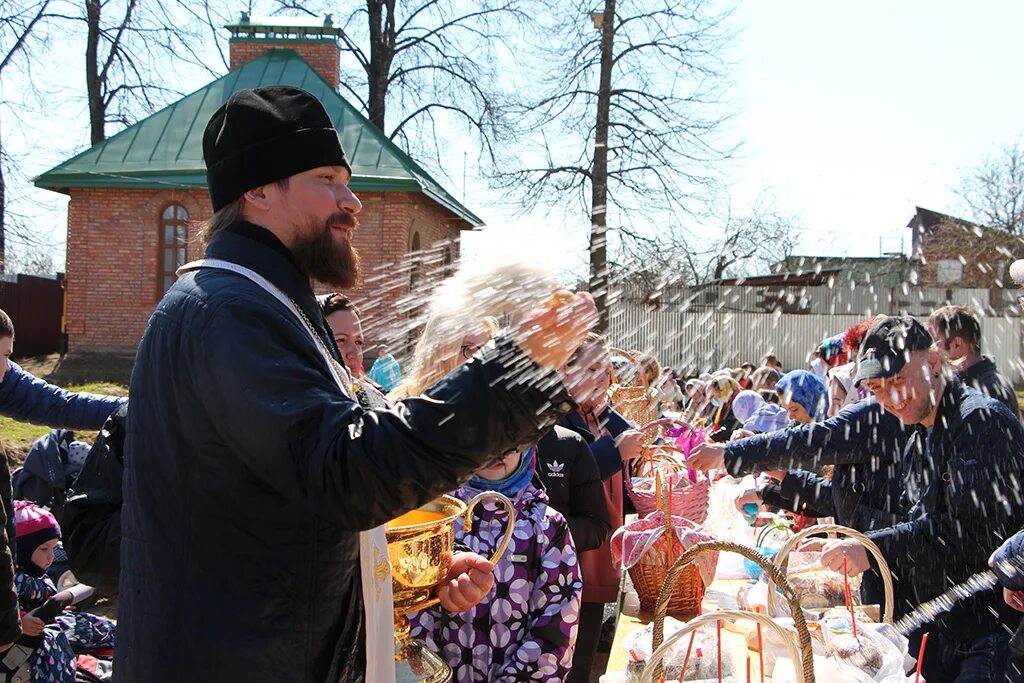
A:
x: 804, y: 663
x: 883, y: 566
x: 689, y: 501
x: 630, y: 398
x: 648, y: 575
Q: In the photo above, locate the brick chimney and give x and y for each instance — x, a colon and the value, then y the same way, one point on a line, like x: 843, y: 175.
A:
x: 317, y: 44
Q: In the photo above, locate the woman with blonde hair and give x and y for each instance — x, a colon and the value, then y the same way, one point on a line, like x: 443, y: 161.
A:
x: 447, y: 342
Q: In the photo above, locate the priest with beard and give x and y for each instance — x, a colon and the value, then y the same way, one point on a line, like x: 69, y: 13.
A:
x: 255, y: 486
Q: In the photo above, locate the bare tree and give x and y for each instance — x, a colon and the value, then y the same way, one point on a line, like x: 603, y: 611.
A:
x: 628, y: 117
x: 409, y: 63
x: 133, y: 49
x: 993, y: 190
x: 17, y: 22
x: 727, y: 243
x: 29, y: 259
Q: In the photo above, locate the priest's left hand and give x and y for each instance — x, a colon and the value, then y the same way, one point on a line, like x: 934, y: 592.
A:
x: 857, y: 561
x: 468, y: 582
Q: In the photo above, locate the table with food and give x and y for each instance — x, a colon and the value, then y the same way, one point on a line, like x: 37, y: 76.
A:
x: 716, y: 592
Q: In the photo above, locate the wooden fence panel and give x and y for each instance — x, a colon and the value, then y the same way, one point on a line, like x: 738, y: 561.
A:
x: 35, y: 305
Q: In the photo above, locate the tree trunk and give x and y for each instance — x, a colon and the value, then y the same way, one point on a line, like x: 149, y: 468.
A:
x: 381, y: 14
x: 93, y: 84
x: 599, y: 179
x: 3, y: 214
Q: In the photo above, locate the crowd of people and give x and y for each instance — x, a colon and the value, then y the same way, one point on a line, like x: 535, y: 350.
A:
x: 262, y: 460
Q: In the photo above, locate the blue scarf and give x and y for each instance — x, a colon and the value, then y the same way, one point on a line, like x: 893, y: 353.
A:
x: 513, y: 483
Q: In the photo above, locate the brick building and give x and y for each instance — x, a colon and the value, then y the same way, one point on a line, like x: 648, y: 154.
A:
x: 137, y: 197
x: 954, y: 253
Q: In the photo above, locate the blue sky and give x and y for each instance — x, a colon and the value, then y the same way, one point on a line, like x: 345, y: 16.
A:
x: 852, y: 114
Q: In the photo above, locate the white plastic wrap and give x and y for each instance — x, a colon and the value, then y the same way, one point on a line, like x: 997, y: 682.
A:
x: 703, y: 662
x: 877, y: 651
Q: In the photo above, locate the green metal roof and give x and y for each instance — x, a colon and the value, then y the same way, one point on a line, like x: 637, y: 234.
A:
x: 165, y: 150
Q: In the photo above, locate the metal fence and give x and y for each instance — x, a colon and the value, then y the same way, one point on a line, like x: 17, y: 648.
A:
x: 846, y: 299
x: 711, y: 339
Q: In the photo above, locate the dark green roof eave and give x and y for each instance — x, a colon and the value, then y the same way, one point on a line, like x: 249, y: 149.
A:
x: 63, y: 182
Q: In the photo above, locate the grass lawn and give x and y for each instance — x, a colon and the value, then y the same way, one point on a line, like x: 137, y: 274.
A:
x: 95, y: 373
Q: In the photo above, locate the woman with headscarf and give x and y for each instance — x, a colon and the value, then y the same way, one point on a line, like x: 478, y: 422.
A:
x: 756, y: 415
x: 722, y: 389
x: 804, y: 397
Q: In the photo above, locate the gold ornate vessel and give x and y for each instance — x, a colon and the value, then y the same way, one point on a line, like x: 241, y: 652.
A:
x: 420, y: 545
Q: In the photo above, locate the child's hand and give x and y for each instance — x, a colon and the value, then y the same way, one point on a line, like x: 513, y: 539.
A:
x: 31, y: 625
x: 468, y: 582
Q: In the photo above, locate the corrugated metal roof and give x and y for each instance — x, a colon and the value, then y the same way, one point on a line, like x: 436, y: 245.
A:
x: 165, y: 150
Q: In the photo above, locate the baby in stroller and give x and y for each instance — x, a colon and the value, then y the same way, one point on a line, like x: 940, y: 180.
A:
x: 65, y: 642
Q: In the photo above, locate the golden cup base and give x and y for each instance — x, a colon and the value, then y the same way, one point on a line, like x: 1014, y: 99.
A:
x: 414, y: 663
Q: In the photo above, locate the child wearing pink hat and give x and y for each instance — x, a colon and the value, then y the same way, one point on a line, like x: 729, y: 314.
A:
x: 71, y: 633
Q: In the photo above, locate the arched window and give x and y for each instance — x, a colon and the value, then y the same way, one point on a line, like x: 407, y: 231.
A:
x: 173, y: 238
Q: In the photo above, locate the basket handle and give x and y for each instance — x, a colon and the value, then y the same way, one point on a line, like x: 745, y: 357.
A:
x: 868, y: 544
x: 625, y: 354
x: 804, y: 636
x: 648, y: 675
x: 639, y: 463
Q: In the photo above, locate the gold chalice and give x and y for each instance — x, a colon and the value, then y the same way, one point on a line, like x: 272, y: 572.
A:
x: 420, y: 545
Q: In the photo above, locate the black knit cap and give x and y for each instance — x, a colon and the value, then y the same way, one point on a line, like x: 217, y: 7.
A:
x: 263, y: 135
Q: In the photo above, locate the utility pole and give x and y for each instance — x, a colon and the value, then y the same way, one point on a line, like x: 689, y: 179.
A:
x: 604, y: 22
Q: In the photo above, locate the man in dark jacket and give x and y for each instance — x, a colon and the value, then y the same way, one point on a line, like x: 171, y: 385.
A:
x: 567, y: 469
x: 961, y: 470
x: 957, y: 333
x: 864, y: 444
x: 250, y: 471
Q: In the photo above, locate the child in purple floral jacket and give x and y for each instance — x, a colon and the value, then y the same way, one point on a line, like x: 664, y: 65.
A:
x: 525, y: 630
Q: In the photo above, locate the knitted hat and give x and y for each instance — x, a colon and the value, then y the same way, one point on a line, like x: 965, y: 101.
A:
x: 33, y: 526
x: 264, y: 135
x: 694, y: 386
x: 807, y: 389
x: 78, y: 451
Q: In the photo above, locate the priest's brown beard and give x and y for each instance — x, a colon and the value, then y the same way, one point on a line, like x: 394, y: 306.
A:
x: 323, y: 258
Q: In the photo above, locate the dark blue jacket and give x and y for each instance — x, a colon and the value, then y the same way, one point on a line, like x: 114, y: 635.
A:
x: 801, y: 491
x: 27, y: 398
x: 609, y: 462
x: 1008, y: 562
x: 962, y: 490
x: 986, y: 378
x: 248, y: 475
x: 864, y: 444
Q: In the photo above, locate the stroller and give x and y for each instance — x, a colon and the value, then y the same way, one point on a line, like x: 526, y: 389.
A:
x: 94, y: 667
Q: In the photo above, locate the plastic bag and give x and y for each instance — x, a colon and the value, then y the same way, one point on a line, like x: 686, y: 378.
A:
x: 817, y: 587
x: 871, y: 651
x: 703, y: 661
x: 724, y: 520
x: 772, y: 646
